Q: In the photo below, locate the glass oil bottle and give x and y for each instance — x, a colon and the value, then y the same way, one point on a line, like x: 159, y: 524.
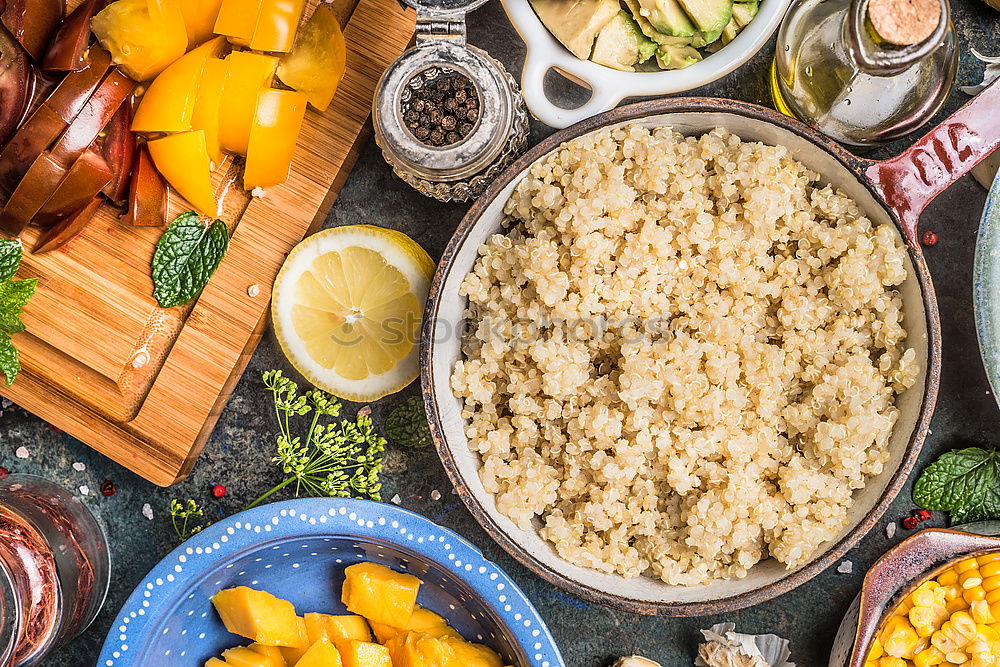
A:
x: 864, y: 72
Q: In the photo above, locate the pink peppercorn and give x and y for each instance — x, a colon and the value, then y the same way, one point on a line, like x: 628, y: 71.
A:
x: 909, y: 522
x: 108, y: 488
x: 929, y: 238
x: 218, y: 491
x: 922, y: 515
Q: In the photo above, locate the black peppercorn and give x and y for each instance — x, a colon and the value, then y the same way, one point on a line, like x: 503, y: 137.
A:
x: 442, y: 111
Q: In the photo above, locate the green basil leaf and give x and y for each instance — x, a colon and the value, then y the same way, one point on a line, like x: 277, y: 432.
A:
x: 186, y: 256
x: 10, y: 258
x: 10, y: 363
x: 958, y: 478
x: 986, y: 509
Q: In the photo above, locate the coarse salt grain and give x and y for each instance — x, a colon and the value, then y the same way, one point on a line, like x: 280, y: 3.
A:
x: 79, y: 467
x: 147, y: 511
x: 84, y: 490
x: 890, y: 529
x: 435, y: 495
x: 845, y: 567
x: 395, y: 500
x: 253, y: 290
x: 22, y: 453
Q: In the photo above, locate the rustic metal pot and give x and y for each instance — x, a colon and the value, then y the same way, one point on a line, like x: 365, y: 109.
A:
x: 897, y: 574
x: 891, y: 193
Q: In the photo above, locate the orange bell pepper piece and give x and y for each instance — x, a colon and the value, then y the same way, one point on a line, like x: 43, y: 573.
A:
x: 238, y: 19
x: 317, y: 60
x: 272, y: 140
x: 199, y: 19
x: 182, y: 159
x: 143, y: 36
x: 247, y: 74
x: 208, y: 106
x: 168, y: 105
x: 276, y: 25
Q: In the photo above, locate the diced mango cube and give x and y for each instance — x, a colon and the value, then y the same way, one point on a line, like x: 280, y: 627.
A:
x: 316, y: 627
x: 258, y: 615
x: 215, y: 662
x: 356, y: 653
x: 272, y: 653
x: 380, y: 594
x: 417, y: 649
x: 241, y: 656
x: 472, y: 655
x: 292, y: 654
x: 321, y: 654
x: 348, y: 626
x: 422, y: 620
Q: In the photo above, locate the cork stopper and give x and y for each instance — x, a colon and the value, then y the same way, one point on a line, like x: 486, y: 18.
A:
x: 904, y: 22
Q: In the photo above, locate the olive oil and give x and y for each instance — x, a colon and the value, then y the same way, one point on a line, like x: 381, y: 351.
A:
x: 834, y: 71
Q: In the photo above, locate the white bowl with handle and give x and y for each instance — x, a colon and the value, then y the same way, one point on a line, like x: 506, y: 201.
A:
x: 610, y: 86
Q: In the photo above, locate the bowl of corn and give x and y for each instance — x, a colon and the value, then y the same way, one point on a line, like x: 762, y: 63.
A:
x: 934, y: 599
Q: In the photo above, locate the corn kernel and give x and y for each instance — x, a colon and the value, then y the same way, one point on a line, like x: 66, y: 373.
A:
x: 889, y: 661
x: 929, y: 657
x: 963, y: 624
x: 876, y: 651
x: 956, y: 657
x: 992, y: 557
x: 970, y: 579
x: 973, y: 594
x: 993, y: 596
x: 990, y: 569
x: 966, y: 565
x: 948, y: 578
x: 952, y: 592
x: 980, y: 610
x: 871, y: 663
x: 957, y: 605
x: 899, y: 637
x: 926, y: 620
x: 994, y: 609
x: 991, y: 583
x: 987, y: 633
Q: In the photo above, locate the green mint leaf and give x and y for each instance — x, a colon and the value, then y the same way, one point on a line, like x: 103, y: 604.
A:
x: 10, y: 362
x: 14, y: 296
x: 186, y: 256
x: 407, y: 425
x: 986, y: 509
x: 10, y: 258
x: 956, y: 479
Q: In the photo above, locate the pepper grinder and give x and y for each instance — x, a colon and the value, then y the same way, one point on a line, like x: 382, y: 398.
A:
x: 461, y: 170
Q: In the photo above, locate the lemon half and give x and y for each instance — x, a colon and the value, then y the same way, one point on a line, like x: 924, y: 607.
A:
x: 347, y: 306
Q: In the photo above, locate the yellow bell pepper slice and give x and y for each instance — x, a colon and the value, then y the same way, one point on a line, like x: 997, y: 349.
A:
x: 143, y: 36
x: 168, y: 104
x: 238, y: 19
x: 199, y: 19
x: 272, y: 140
x: 317, y: 60
x: 276, y: 25
x: 247, y: 74
x: 207, y: 106
x: 183, y: 160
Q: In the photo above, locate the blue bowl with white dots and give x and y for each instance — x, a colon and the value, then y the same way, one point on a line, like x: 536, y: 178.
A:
x: 297, y: 550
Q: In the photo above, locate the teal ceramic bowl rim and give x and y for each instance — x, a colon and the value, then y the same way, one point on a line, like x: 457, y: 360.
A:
x: 362, y: 520
x: 985, y: 279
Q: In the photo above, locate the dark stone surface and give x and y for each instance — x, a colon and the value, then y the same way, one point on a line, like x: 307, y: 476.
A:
x: 238, y: 454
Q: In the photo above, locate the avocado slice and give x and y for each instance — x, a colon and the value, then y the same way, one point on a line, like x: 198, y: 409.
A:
x: 710, y: 16
x: 649, y: 31
x: 744, y: 12
x: 730, y: 31
x: 676, y: 57
x: 576, y: 23
x: 621, y: 44
x: 667, y: 16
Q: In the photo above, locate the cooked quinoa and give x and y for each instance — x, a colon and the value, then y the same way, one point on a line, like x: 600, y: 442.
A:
x: 684, y: 355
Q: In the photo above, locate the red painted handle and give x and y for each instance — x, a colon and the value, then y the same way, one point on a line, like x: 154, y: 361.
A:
x: 910, y: 181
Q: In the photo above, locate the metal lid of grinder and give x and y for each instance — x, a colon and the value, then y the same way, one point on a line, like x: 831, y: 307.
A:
x: 460, y: 170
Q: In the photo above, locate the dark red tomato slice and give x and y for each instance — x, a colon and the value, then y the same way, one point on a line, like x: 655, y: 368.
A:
x: 33, y: 22
x: 84, y: 181
x: 95, y: 115
x: 147, y: 197
x: 31, y: 193
x: 68, y: 50
x: 16, y: 84
x: 67, y: 228
x: 117, y: 146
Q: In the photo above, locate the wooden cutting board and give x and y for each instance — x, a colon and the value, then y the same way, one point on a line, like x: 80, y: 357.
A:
x: 145, y: 385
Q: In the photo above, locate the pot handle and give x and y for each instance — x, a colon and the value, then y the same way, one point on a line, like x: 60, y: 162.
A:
x: 903, y: 565
x: 908, y: 182
x: 604, y: 95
